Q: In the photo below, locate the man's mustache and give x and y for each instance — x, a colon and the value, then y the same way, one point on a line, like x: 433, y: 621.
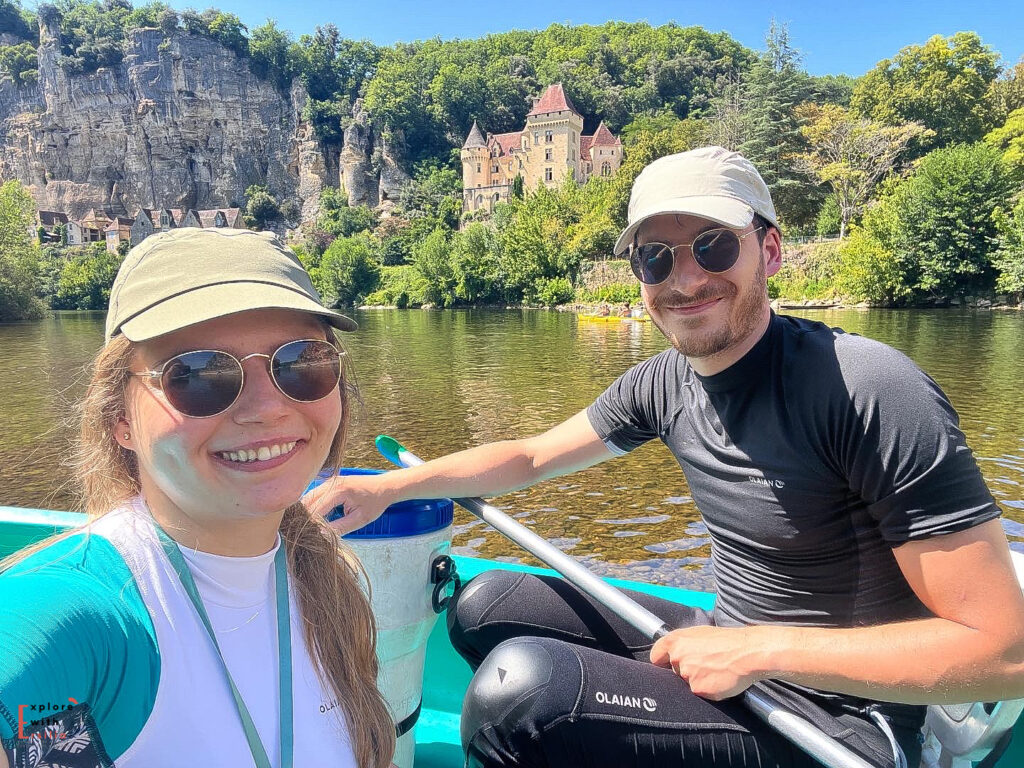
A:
x: 704, y: 293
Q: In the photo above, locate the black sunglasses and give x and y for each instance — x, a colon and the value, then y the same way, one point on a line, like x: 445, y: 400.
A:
x: 714, y: 251
x: 206, y: 382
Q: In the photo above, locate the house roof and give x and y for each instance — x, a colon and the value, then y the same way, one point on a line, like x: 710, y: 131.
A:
x: 604, y: 137
x: 586, y: 142
x: 96, y: 218
x: 52, y: 218
x: 117, y: 223
x: 475, y: 138
x: 507, y: 141
x: 553, y: 100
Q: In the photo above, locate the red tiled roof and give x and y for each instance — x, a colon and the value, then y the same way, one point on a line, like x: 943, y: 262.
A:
x: 117, y: 223
x: 604, y: 137
x: 586, y: 142
x: 507, y: 141
x: 553, y: 100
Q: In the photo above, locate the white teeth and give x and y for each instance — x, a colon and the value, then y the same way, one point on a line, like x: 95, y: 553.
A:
x: 265, y: 453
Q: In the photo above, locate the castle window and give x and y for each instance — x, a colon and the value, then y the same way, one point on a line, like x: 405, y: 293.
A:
x: 536, y: 137
x: 478, y: 167
x: 572, y: 153
x: 479, y: 199
x: 547, y: 154
x: 494, y: 168
x: 497, y: 196
x: 549, y: 136
x: 548, y: 175
x: 606, y: 168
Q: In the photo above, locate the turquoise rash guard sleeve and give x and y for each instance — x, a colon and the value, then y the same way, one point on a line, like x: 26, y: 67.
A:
x: 75, y: 631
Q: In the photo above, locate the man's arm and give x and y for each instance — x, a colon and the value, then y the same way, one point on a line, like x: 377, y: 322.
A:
x: 487, y: 470
x: 973, y: 650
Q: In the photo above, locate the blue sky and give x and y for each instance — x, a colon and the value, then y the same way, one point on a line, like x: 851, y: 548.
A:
x: 847, y: 37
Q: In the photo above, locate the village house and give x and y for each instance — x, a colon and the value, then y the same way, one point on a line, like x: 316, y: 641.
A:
x: 89, y: 229
x: 118, y: 231
x: 151, y: 220
x: 550, y: 148
x: 48, y: 226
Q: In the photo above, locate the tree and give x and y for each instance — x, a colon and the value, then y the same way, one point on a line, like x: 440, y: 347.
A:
x: 12, y: 20
x: 228, y: 30
x: 261, y: 207
x: 1009, y: 139
x: 850, y: 154
x: 19, y: 63
x: 433, y: 261
x: 943, y: 85
x: 1009, y: 255
x: 85, y: 279
x: 338, y: 219
x: 268, y: 51
x: 349, y: 269
x: 474, y: 262
x: 19, y: 259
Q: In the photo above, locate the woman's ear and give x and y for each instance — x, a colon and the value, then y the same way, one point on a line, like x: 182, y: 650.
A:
x: 123, y: 435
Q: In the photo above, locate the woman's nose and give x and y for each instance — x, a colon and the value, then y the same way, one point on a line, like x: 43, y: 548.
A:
x: 260, y: 398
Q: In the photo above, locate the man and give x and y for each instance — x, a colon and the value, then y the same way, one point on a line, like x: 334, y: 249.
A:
x: 859, y: 561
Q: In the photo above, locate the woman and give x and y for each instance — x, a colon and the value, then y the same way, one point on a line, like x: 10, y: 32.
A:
x: 203, y: 616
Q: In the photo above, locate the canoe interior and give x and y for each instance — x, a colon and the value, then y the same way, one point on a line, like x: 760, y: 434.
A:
x: 446, y: 675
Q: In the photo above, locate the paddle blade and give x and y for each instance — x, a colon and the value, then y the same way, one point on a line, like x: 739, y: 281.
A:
x: 389, y: 449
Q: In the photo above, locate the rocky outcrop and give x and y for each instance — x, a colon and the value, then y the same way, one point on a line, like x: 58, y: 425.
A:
x: 182, y: 122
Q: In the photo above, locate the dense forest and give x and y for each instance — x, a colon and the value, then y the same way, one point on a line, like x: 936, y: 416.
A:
x: 913, y: 170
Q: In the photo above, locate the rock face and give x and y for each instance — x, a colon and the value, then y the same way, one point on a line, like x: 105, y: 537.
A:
x: 371, y: 162
x: 182, y: 122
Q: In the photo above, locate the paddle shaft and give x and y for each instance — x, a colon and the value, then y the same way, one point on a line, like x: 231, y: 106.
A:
x: 826, y: 750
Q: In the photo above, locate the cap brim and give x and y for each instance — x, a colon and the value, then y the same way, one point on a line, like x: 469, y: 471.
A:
x: 213, y: 301
x: 727, y: 211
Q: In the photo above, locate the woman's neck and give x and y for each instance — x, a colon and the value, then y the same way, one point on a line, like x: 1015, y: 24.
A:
x: 233, y: 537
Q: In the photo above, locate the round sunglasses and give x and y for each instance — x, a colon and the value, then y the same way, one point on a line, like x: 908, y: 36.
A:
x: 714, y: 251
x: 207, y: 382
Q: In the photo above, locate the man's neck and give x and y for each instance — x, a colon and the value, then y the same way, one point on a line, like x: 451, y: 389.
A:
x: 235, y: 537
x: 718, y: 362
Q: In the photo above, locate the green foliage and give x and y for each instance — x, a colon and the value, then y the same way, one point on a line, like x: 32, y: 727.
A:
x: 475, y: 259
x: 614, y: 293
x: 84, y: 276
x: 348, y: 270
x: 1009, y: 139
x: 943, y: 85
x: 19, y: 258
x: 261, y: 207
x: 551, y: 291
x: 829, y: 218
x: 871, y: 271
x: 270, y: 54
x: 338, y: 219
x: 1009, y: 254
x: 19, y: 63
x: 431, y: 259
x: 809, y: 274
x: 400, y: 286
x: 228, y: 30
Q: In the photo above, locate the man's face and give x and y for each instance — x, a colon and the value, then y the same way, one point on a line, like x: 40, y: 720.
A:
x: 704, y: 314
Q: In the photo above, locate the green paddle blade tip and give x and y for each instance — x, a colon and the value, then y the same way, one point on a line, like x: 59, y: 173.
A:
x: 389, y: 448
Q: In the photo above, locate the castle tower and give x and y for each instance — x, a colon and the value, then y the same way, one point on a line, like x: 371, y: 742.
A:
x: 475, y: 170
x: 604, y: 154
x: 552, y: 134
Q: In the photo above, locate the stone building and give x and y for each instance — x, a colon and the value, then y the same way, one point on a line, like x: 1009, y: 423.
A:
x: 118, y: 231
x: 550, y: 148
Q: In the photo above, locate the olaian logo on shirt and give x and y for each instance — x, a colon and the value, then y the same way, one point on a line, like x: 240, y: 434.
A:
x: 624, y: 700
x: 766, y: 482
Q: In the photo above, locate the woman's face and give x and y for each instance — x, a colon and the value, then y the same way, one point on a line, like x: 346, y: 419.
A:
x: 183, y: 461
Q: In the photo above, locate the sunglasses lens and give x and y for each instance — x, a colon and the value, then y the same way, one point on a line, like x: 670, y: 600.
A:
x: 307, y: 370
x: 716, y: 251
x: 651, y: 263
x: 202, y: 383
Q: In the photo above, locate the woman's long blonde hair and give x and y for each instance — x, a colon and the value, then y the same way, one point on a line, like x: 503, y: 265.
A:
x: 339, y: 625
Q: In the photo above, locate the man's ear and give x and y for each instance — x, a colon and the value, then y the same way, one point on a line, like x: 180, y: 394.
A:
x: 772, y: 250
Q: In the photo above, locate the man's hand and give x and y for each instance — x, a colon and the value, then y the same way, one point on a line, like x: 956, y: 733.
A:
x: 717, y: 662
x: 363, y: 497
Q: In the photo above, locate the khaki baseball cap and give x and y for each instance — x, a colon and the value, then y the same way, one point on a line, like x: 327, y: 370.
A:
x: 710, y: 182
x: 185, y: 276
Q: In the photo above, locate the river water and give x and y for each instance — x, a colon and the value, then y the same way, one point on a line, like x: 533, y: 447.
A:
x: 443, y: 381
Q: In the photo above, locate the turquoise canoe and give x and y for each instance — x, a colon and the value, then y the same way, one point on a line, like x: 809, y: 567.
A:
x: 446, y: 675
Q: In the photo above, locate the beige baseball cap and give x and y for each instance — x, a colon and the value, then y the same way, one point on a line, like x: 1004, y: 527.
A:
x: 185, y: 276
x: 710, y: 182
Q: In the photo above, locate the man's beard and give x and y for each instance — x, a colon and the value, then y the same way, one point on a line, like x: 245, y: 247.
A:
x: 699, y: 344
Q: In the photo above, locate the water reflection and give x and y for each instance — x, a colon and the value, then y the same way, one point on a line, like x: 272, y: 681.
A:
x: 443, y: 381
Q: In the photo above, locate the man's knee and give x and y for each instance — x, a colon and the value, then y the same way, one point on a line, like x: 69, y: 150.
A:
x: 468, y: 609
x: 522, y: 686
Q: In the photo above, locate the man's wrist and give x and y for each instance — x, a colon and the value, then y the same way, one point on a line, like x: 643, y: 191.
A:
x: 769, y: 644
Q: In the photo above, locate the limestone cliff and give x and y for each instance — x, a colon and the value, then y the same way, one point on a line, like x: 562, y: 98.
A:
x: 182, y: 122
